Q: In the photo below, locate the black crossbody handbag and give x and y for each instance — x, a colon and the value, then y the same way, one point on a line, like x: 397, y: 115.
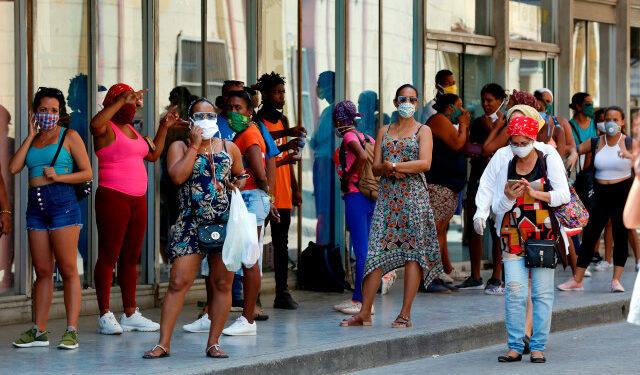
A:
x: 82, y: 189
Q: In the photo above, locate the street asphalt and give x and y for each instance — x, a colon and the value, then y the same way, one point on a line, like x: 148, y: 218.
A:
x: 603, y: 350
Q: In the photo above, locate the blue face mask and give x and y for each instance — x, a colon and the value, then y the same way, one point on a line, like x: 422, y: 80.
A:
x: 544, y: 116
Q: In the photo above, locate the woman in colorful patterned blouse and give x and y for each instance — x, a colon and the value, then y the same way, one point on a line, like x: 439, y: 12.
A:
x: 403, y: 233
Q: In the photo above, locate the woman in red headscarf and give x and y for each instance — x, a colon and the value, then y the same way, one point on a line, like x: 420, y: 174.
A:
x: 527, y: 182
x: 121, y: 203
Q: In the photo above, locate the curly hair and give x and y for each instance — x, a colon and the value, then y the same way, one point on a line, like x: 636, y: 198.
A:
x: 51, y: 92
x: 525, y: 98
x: 268, y: 81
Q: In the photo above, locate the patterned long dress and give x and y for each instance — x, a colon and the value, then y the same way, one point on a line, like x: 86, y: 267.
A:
x: 403, y: 228
x: 203, y: 200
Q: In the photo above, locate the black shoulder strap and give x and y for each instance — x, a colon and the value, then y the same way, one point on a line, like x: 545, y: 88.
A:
x: 60, y: 142
x: 571, y: 122
x: 418, y: 131
x: 224, y: 144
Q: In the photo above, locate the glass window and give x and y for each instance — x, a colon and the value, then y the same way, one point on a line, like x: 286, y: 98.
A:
x: 60, y: 61
x: 532, y: 20
x: 397, y: 44
x: 461, y: 16
x: 634, y: 70
x: 8, y: 117
x: 180, y: 66
x: 436, y: 61
x: 363, y: 67
x: 526, y: 75
x: 597, y: 41
x: 277, y: 52
x: 120, y: 42
x: 476, y: 73
x: 318, y: 99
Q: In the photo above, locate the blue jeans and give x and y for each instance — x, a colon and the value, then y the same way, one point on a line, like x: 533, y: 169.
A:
x: 358, y: 215
x: 516, y: 291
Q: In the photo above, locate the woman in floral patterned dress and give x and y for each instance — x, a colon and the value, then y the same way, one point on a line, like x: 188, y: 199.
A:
x: 205, y: 168
x: 403, y: 233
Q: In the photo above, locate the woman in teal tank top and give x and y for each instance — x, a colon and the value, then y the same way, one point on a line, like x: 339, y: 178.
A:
x: 53, y: 213
x: 582, y: 124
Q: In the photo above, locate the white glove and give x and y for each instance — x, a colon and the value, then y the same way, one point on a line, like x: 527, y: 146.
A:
x: 479, y: 225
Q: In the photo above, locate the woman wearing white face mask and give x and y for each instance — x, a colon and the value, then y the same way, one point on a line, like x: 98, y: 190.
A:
x: 403, y: 232
x: 206, y: 168
x: 613, y: 178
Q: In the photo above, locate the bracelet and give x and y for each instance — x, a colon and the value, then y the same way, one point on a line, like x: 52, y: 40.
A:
x: 272, y: 199
x: 193, y: 147
x: 6, y: 212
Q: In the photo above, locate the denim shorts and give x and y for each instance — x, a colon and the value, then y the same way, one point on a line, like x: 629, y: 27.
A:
x: 52, y: 207
x: 258, y: 203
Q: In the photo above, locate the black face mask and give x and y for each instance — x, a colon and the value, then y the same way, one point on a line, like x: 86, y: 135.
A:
x: 270, y: 113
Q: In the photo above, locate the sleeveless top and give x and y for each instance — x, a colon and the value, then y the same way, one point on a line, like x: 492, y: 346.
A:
x: 121, y: 164
x: 608, y: 165
x: 448, y: 167
x: 39, y: 158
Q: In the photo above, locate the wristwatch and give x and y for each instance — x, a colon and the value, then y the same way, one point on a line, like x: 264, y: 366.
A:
x: 393, y: 165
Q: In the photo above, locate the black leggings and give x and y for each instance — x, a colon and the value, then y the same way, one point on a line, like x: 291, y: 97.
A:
x: 610, y: 201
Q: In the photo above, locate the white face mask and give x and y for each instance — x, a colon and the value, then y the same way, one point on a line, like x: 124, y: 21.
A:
x: 522, y: 151
x: 494, y: 115
x: 209, y: 127
x: 600, y: 127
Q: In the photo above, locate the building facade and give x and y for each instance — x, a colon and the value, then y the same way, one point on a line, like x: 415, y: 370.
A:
x: 328, y: 50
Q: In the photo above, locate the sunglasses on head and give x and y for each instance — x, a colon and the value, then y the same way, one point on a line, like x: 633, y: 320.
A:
x: 402, y: 99
x: 204, y: 116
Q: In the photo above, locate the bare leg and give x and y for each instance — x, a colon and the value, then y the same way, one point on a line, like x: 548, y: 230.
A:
x: 617, y: 272
x: 412, y: 277
x: 65, y: 244
x: 221, y: 280
x: 528, y: 323
x: 573, y: 257
x: 251, y: 284
x: 635, y: 245
x: 183, y: 273
x: 209, y: 285
x: 441, y: 228
x: 370, y: 286
x: 42, y: 258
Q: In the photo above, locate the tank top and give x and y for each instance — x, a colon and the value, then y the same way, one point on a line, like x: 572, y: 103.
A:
x: 610, y: 166
x: 448, y: 167
x: 39, y: 158
x: 121, y: 164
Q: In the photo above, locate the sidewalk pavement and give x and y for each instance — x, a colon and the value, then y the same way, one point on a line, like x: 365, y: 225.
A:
x: 309, y: 340
x: 603, y: 349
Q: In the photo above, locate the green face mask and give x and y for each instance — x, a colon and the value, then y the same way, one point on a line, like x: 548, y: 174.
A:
x: 237, y: 122
x: 549, y: 109
x: 588, y: 110
x: 454, y: 116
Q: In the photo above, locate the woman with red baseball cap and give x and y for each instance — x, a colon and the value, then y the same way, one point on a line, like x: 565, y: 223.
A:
x: 121, y: 203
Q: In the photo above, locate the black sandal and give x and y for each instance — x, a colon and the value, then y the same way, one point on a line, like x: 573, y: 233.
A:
x: 402, y: 321
x: 149, y: 354
x: 219, y: 352
x: 538, y: 359
x: 508, y: 358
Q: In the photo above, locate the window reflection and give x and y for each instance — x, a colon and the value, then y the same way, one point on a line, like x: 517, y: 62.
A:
x: 634, y: 72
x: 526, y: 75
x: 532, y: 20
x: 7, y: 136
x: 594, y: 59
x: 461, y: 16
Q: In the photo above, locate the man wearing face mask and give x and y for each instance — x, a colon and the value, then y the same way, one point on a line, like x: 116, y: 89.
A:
x: 121, y: 204
x: 445, y: 84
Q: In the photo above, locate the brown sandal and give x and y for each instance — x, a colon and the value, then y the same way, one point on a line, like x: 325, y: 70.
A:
x: 402, y: 321
x: 354, y: 321
x: 219, y: 353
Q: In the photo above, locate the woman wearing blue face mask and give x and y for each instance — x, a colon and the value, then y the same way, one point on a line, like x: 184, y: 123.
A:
x: 446, y: 178
x: 402, y: 232
x: 53, y: 213
x: 205, y: 167
x: 610, y: 155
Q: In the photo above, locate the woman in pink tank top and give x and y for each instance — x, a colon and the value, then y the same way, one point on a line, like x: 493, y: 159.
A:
x: 121, y: 202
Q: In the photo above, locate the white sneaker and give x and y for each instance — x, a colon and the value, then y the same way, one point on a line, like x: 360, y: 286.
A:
x: 137, y: 322
x: 387, y: 281
x: 354, y: 309
x: 446, y: 278
x: 456, y: 275
x: 603, y: 265
x: 587, y: 273
x: 241, y: 327
x: 343, y: 304
x: 199, y: 326
x: 108, y: 325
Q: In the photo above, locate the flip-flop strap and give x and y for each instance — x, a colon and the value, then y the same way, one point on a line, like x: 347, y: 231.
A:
x: 217, y: 346
x: 161, y: 347
x: 403, y: 319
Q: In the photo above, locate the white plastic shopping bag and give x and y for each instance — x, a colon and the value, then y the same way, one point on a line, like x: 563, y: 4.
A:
x: 634, y: 306
x: 234, y: 243
x: 250, y: 246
